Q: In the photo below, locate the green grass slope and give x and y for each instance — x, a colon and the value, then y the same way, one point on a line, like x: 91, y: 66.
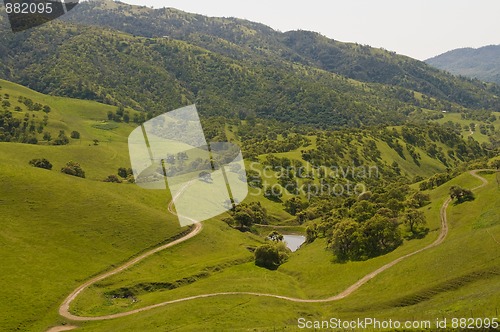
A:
x: 455, y: 279
x: 57, y: 230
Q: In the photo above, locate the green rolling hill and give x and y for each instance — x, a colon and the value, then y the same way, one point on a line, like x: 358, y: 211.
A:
x: 59, y: 230
x: 312, y: 115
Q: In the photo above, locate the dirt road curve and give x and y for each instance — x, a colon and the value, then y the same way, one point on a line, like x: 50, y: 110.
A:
x: 62, y: 328
x: 64, y: 309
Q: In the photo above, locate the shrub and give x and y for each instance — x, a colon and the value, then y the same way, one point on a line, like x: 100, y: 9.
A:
x: 113, y: 178
x: 271, y: 256
x: 41, y: 163
x: 74, y: 169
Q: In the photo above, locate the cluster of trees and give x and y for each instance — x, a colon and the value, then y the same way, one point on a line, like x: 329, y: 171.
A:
x: 113, y: 178
x: 30, y: 105
x: 273, y: 253
x: 33, y: 106
x: 122, y: 115
x: 436, y: 180
x: 254, y: 179
x: 273, y: 193
x: 376, y: 222
x: 244, y: 215
x: 153, y: 75
x: 262, y: 137
x: 366, y: 226
x: 13, y: 129
x: 479, y: 115
x: 29, y: 128
x: 371, y: 235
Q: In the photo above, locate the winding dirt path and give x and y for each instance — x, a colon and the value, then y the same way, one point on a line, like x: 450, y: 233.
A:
x: 64, y: 309
x: 62, y: 328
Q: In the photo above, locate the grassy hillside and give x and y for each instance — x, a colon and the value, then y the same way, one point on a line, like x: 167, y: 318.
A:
x: 229, y: 68
x: 441, y: 282
x: 241, y: 39
x: 57, y: 231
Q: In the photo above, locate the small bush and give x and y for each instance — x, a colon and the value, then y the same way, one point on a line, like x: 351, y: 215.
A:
x: 41, y: 163
x: 113, y: 178
x: 73, y: 169
x: 62, y: 139
x: 125, y: 172
x: 461, y: 195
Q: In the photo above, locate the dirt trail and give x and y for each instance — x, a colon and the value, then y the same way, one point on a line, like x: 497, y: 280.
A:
x: 62, y: 328
x: 64, y: 309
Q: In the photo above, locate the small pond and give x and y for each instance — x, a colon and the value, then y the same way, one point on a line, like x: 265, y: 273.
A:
x: 293, y: 242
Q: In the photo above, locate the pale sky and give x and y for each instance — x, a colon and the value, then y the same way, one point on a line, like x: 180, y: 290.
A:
x: 417, y: 28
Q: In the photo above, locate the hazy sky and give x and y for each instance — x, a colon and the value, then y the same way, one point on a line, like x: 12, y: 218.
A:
x: 418, y: 28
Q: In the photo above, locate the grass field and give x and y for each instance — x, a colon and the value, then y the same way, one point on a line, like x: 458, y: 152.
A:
x: 57, y: 230
x: 477, y: 135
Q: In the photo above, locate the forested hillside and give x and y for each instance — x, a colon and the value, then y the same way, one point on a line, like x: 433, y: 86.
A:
x: 227, y: 67
x: 241, y: 39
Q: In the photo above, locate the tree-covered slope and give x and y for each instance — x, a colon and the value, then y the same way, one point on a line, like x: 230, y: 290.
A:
x: 482, y: 63
x: 227, y: 67
x: 157, y: 75
x: 241, y: 39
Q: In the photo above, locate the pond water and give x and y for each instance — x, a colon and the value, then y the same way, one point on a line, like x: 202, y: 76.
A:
x: 293, y: 242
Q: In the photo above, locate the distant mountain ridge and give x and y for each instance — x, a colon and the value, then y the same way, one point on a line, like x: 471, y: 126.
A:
x: 481, y: 63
